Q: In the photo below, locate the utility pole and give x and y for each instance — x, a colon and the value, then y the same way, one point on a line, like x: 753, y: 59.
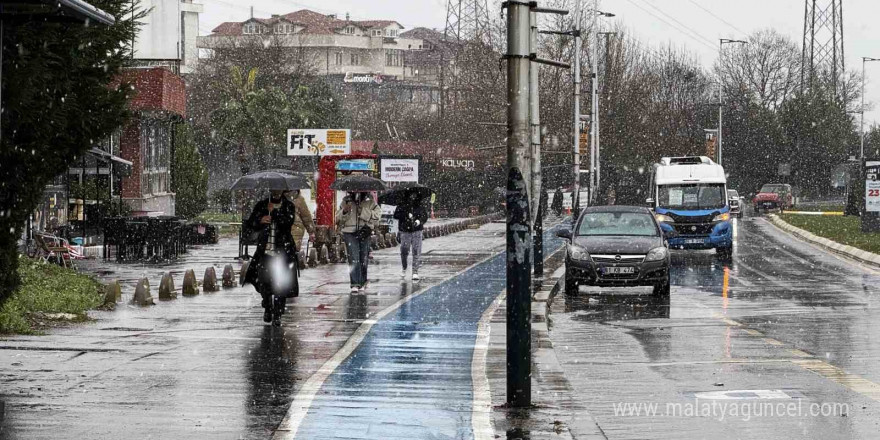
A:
x: 594, y: 103
x: 862, y: 123
x: 721, y: 44
x: 519, y: 274
x: 535, y: 127
x: 576, y: 132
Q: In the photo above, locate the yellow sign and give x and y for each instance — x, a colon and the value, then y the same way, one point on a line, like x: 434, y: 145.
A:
x: 336, y: 137
x: 318, y: 142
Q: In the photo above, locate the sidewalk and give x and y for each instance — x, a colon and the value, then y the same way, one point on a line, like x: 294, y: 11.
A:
x: 203, y: 366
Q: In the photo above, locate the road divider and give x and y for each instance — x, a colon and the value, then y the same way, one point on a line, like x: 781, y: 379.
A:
x: 814, y: 212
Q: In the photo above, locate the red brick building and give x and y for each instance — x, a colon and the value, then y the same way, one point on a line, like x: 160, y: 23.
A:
x: 147, y: 139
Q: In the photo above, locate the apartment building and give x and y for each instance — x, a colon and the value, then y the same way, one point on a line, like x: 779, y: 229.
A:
x: 355, y: 51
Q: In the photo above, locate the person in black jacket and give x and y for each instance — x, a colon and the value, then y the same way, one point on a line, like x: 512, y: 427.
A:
x: 273, y: 268
x: 411, y: 218
x: 556, y: 205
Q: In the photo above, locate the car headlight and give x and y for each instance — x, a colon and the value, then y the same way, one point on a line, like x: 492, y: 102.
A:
x: 663, y: 218
x: 578, y: 253
x: 656, y: 254
x: 722, y: 217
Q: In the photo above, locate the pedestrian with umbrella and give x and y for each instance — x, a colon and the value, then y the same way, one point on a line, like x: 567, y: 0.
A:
x: 273, y: 268
x: 411, y: 215
x: 357, y: 217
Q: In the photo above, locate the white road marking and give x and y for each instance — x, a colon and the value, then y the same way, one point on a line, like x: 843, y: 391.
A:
x: 481, y: 413
x: 302, y: 402
x: 742, y: 395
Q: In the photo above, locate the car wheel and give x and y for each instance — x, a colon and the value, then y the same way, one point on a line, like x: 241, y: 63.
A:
x: 663, y: 288
x: 724, y: 253
x: 571, y: 286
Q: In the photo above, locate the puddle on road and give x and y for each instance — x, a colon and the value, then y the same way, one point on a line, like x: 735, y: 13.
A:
x: 616, y: 306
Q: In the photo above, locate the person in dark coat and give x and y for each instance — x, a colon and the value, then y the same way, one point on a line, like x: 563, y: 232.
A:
x: 556, y: 205
x: 273, y: 267
x: 411, y: 217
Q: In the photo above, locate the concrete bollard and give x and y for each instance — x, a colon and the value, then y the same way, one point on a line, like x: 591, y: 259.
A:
x: 374, y: 242
x: 389, y: 239
x: 209, y: 281
x: 380, y: 241
x: 142, y: 296
x: 395, y: 240
x: 166, y: 288
x: 334, y: 253
x: 228, y: 276
x: 243, y: 274
x: 301, y: 258
x: 112, y: 293
x: 428, y: 232
x: 313, y: 257
x: 324, y: 255
x: 190, y: 285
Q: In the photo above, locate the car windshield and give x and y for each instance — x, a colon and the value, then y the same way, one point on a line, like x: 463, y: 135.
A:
x: 778, y: 189
x: 732, y: 194
x: 617, y: 223
x: 692, y: 196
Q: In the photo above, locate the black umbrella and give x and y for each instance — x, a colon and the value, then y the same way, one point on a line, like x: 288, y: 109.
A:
x: 271, y: 180
x: 358, y: 183
x: 402, y: 194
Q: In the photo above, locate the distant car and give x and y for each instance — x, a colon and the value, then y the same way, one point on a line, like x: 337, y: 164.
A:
x: 735, y: 202
x: 773, y: 196
x: 616, y: 246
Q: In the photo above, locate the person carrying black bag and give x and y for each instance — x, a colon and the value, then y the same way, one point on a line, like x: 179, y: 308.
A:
x: 273, y: 268
x: 357, y: 217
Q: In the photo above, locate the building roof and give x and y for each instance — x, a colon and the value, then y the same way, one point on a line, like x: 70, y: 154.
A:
x: 311, y: 21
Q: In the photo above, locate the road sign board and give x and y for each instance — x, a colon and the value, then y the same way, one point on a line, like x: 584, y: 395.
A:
x: 318, y: 142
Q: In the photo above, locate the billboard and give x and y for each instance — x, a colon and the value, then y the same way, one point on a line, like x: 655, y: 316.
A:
x: 400, y: 170
x: 318, y: 142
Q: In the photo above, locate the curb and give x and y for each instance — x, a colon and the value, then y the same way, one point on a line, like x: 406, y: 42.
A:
x: 546, y: 363
x: 847, y: 251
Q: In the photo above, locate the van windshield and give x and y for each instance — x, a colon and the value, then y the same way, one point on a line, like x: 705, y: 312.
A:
x: 691, y: 196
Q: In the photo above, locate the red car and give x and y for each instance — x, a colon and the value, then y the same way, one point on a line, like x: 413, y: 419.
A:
x: 773, y: 196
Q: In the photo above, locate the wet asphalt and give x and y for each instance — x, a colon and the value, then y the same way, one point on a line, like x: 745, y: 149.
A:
x: 782, y: 324
x: 782, y: 341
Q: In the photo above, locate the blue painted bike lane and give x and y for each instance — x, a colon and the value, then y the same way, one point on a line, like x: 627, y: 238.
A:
x: 410, y: 377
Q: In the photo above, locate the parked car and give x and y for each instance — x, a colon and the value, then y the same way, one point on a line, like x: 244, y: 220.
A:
x: 616, y: 246
x: 735, y: 203
x: 773, y: 196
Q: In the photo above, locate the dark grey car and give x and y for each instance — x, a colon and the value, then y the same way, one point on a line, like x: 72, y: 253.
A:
x: 616, y: 246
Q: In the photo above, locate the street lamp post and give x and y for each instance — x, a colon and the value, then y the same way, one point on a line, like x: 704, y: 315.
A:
x: 595, y: 153
x: 862, y: 130
x: 722, y: 42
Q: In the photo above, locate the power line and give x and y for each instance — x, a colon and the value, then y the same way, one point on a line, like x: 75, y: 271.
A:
x: 671, y: 25
x: 690, y: 29
x: 719, y: 18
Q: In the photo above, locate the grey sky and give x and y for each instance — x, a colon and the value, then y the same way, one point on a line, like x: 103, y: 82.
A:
x: 743, y: 16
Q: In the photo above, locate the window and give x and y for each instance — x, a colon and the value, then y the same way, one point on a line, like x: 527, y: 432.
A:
x: 618, y: 223
x: 391, y: 32
x: 691, y: 196
x: 393, y: 57
x: 348, y: 30
x: 283, y: 28
x: 376, y: 32
x: 338, y: 58
x: 156, y: 153
x: 355, y: 59
x: 253, y: 28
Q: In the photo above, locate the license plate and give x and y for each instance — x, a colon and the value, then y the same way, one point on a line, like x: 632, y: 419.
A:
x: 619, y: 270
x: 693, y: 241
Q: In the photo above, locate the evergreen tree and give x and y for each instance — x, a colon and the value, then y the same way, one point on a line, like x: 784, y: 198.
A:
x: 56, y: 104
x: 188, y: 174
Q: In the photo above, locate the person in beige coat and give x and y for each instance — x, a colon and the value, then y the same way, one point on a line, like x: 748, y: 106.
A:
x: 357, y: 217
x: 303, y: 221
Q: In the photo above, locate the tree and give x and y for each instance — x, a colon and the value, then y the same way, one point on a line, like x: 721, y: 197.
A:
x: 56, y: 104
x: 188, y: 174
